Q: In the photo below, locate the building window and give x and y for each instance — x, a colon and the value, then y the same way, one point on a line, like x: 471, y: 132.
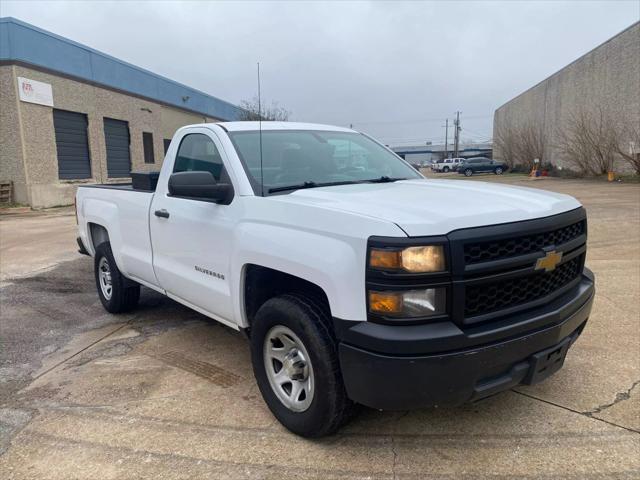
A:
x: 147, y: 143
x: 167, y: 142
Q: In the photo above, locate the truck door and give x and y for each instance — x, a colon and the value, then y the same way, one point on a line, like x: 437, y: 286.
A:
x: 191, y: 238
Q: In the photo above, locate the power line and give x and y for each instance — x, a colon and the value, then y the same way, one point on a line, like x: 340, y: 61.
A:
x: 413, y: 140
x: 473, y: 132
x: 423, y: 120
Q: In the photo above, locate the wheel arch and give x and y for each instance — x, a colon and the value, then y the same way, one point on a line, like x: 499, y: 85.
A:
x: 97, y: 234
x: 261, y: 283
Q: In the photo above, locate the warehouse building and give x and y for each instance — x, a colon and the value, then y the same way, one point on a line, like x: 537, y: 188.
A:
x: 70, y: 114
x: 605, y: 79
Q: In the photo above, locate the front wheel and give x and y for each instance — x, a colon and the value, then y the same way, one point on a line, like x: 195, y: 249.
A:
x: 445, y: 169
x: 117, y: 293
x: 295, y: 362
x: 498, y: 171
x: 468, y: 172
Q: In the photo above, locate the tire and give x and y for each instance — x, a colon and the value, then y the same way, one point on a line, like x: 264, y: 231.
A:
x: 297, y: 318
x: 468, y: 172
x: 123, y: 294
x: 498, y: 171
x: 445, y: 169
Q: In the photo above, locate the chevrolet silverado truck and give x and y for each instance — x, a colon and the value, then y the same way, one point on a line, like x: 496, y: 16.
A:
x: 335, y: 258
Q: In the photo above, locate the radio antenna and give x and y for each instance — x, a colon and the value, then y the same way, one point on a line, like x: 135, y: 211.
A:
x: 260, y: 133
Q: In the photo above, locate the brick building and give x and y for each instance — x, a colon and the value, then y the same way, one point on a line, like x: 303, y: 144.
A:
x: 70, y: 114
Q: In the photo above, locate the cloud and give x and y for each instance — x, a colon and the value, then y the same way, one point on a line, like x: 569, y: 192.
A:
x: 395, y: 70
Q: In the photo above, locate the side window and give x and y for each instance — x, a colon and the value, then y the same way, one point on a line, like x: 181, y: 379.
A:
x: 197, y: 152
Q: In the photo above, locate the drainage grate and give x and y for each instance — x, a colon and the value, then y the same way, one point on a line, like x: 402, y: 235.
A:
x: 208, y: 371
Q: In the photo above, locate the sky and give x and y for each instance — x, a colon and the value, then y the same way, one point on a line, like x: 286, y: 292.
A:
x: 395, y: 70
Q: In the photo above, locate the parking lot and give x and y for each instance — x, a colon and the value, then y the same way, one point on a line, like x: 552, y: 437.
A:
x: 164, y: 392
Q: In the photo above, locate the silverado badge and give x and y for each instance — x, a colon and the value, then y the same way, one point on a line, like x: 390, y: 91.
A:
x: 549, y: 262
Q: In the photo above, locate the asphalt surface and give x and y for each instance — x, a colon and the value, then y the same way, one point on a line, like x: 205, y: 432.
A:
x: 164, y: 392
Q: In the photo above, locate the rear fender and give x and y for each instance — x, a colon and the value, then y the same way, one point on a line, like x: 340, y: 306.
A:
x: 104, y: 214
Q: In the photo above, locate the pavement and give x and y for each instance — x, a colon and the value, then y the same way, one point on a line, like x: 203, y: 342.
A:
x: 164, y: 392
x: 35, y: 240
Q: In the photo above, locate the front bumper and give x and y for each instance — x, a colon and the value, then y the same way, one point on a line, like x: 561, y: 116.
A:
x: 404, y: 367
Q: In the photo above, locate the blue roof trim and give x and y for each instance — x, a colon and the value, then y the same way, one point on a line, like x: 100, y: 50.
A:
x: 22, y: 42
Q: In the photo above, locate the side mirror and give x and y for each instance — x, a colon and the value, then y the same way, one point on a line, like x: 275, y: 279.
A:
x: 200, y: 185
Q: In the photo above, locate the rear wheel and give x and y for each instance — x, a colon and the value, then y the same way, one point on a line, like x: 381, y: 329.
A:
x: 295, y: 362
x: 117, y: 293
x: 468, y: 172
x: 498, y: 171
x: 445, y: 169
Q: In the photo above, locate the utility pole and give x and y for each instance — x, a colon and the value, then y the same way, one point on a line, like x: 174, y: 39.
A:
x: 456, y: 141
x: 446, y: 138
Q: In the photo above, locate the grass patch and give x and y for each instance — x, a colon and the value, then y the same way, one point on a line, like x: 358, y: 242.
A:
x: 12, y: 205
x: 626, y: 178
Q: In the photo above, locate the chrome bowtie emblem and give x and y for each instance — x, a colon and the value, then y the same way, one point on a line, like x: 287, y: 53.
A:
x: 549, y: 262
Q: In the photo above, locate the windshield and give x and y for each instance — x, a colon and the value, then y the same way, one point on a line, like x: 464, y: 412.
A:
x: 308, y: 158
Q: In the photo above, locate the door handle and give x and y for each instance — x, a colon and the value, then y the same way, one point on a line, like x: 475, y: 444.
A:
x: 161, y: 213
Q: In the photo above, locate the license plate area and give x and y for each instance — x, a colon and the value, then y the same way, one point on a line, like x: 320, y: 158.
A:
x: 547, y: 362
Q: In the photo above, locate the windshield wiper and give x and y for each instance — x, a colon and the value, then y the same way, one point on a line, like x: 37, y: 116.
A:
x: 309, y: 184
x: 384, y: 179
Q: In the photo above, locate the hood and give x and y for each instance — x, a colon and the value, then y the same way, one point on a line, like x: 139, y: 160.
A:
x: 437, y: 207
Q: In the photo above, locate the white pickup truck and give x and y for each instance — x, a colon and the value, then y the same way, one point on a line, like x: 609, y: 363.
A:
x: 335, y: 257
x: 447, y: 165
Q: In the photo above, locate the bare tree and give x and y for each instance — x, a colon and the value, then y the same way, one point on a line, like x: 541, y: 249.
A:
x: 590, y: 141
x: 530, y: 143
x: 628, y: 144
x: 252, y: 110
x: 505, y: 143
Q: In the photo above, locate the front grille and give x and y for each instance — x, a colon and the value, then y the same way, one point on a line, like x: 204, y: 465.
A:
x: 522, y: 245
x: 489, y: 297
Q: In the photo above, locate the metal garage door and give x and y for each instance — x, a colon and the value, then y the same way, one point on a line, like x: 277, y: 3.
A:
x: 116, y: 136
x: 72, y: 145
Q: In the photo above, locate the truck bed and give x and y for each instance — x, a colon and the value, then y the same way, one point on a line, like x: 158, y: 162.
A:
x: 114, y: 186
x: 124, y: 212
x: 145, y: 182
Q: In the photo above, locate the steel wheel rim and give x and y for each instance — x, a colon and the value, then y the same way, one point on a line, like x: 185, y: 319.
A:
x: 104, y: 278
x: 288, y: 368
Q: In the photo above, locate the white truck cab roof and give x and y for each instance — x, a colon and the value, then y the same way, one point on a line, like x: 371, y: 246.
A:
x: 268, y: 125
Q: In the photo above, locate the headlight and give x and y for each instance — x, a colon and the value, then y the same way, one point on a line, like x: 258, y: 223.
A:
x: 409, y: 303
x: 425, y: 259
